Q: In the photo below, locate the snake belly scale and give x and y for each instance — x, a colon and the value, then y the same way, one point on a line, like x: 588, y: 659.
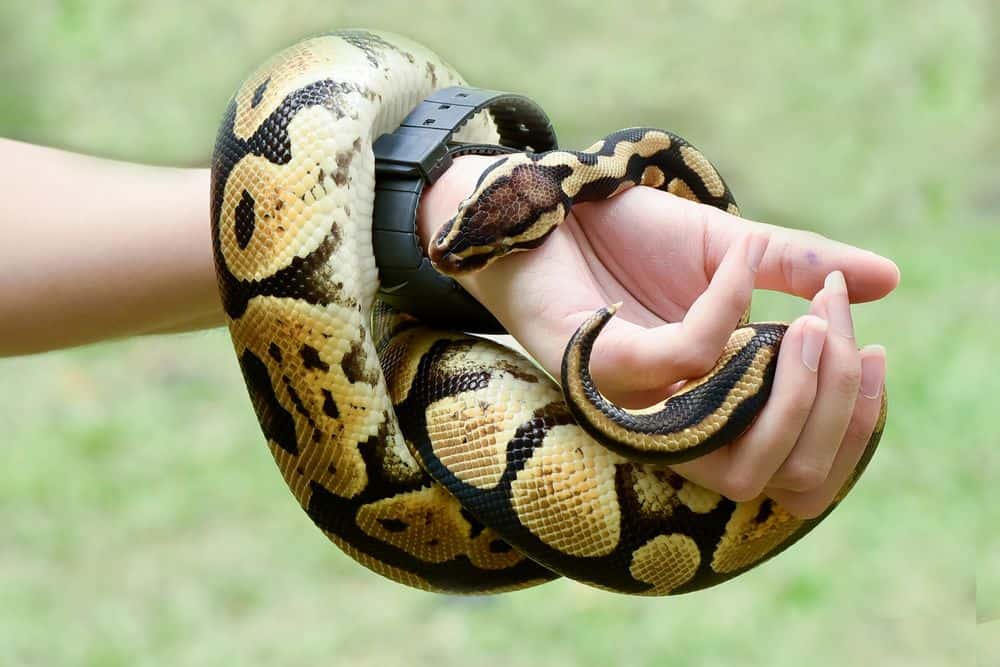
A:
x: 437, y: 459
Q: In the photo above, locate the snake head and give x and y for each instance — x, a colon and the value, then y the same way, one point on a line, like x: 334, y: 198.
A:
x: 516, y: 204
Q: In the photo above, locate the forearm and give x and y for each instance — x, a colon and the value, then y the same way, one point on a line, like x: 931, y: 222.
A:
x: 95, y: 249
x: 92, y: 249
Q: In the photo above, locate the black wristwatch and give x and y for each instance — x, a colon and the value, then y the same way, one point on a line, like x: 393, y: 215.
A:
x: 415, y: 155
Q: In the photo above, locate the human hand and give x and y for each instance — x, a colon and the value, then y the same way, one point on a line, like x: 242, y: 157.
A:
x: 685, y: 272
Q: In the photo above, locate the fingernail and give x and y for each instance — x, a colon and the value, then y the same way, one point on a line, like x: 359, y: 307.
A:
x: 813, y: 335
x: 755, y: 251
x: 817, y: 306
x: 835, y: 281
x: 872, y: 371
x: 838, y: 305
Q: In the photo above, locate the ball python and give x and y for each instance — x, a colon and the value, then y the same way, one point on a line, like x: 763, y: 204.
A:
x: 437, y: 459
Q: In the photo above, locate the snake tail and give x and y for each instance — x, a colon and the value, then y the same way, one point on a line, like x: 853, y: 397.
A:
x: 705, y: 414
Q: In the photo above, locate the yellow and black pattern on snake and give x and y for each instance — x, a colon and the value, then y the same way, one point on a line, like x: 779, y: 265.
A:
x: 495, y: 431
x: 703, y: 415
x: 434, y: 458
x: 522, y: 198
x: 292, y: 190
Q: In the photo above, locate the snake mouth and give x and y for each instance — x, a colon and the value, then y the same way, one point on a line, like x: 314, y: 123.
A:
x: 441, y: 256
x: 453, y: 253
x: 440, y: 250
x: 450, y: 263
x: 445, y: 261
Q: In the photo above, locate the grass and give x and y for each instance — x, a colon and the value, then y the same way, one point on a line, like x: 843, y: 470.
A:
x: 143, y: 521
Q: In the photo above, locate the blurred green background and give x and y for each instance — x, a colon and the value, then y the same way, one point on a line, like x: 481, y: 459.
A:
x: 143, y: 521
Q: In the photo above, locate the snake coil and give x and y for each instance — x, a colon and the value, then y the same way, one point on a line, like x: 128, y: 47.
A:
x: 437, y: 459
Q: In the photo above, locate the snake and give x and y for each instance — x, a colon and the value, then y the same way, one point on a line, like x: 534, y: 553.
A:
x: 438, y: 459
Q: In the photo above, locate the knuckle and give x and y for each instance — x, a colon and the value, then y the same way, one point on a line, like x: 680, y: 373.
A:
x: 698, y: 217
x: 797, y: 409
x: 788, y: 266
x: 859, y: 430
x: 611, y: 353
x: 848, y: 380
x: 621, y: 357
x: 625, y: 367
x: 735, y: 300
x: 740, y: 486
x: 802, y: 475
x: 607, y: 374
x: 697, y: 359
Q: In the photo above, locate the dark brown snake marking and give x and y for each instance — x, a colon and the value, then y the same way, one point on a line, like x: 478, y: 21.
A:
x: 437, y: 459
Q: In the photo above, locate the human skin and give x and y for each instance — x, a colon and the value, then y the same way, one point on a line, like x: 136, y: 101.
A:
x: 685, y: 272
x: 94, y: 249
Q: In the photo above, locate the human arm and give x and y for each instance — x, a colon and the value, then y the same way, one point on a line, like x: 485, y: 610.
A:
x: 93, y: 249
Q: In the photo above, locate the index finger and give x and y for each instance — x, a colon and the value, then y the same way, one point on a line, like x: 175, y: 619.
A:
x: 797, y: 262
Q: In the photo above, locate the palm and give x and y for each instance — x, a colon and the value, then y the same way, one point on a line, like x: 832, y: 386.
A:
x: 656, y: 267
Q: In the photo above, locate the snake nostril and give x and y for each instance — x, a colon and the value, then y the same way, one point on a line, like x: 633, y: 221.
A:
x: 441, y: 257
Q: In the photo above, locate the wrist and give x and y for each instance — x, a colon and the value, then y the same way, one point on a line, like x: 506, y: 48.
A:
x: 412, y: 157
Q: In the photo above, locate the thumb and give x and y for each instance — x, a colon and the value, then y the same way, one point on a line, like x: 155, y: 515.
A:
x: 636, y: 366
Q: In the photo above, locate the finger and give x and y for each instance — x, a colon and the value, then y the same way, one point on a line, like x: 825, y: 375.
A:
x: 758, y: 453
x: 866, y: 412
x: 796, y: 261
x: 628, y: 358
x: 817, y: 306
x: 809, y: 463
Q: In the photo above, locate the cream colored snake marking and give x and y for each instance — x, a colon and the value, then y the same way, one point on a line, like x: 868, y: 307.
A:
x: 437, y: 459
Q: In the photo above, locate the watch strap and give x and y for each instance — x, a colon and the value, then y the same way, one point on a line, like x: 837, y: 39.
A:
x: 416, y: 154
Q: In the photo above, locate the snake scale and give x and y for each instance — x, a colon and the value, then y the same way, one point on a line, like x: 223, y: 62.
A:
x: 437, y: 459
